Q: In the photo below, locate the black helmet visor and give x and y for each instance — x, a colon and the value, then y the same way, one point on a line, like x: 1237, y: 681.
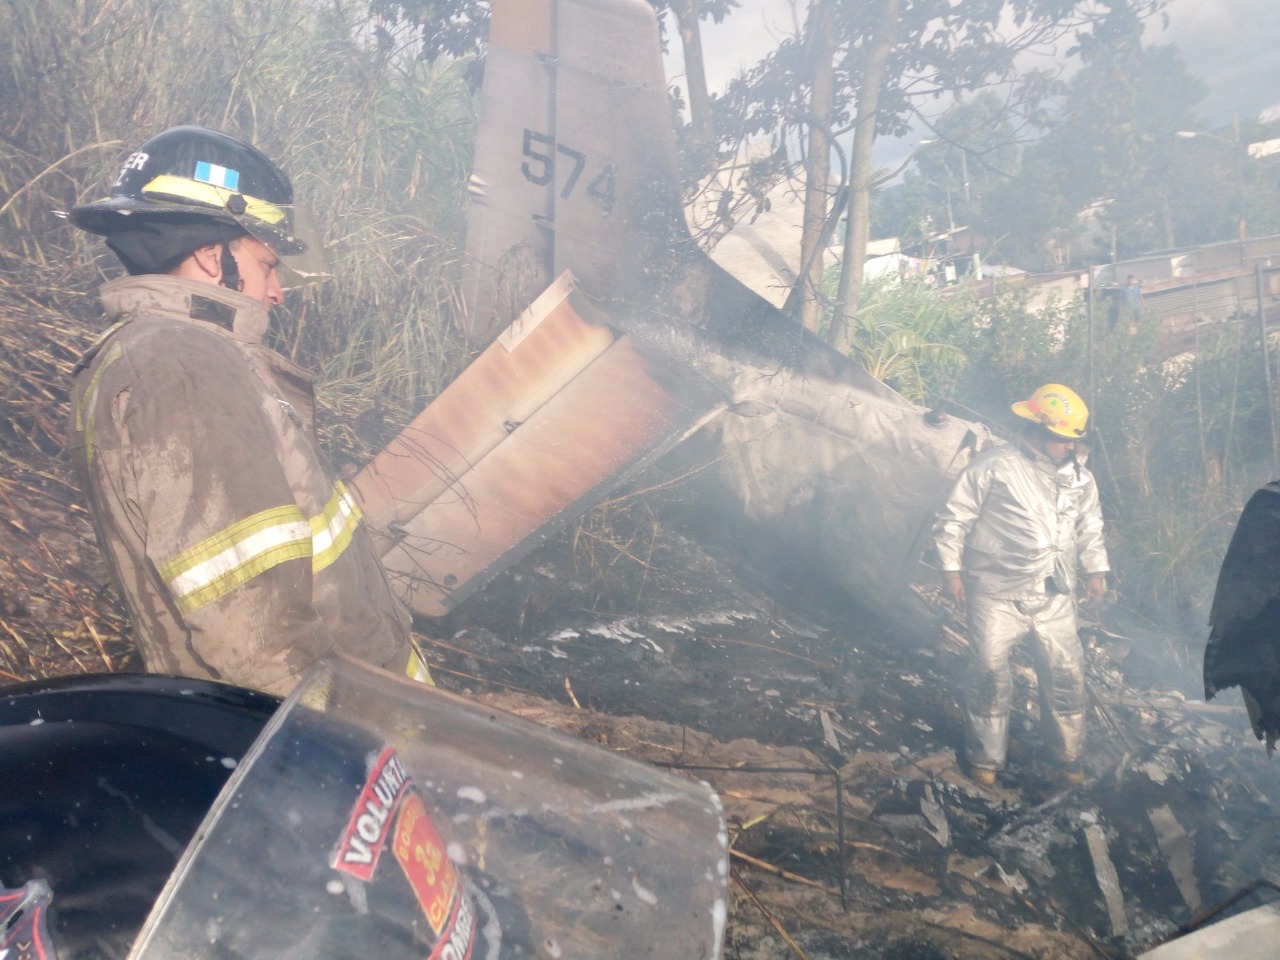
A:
x: 192, y: 173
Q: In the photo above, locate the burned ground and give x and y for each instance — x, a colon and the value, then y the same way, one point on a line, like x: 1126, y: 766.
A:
x: 1174, y: 815
x: 832, y: 740
x: 57, y: 614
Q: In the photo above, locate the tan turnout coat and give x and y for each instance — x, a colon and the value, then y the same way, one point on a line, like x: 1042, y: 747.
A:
x: 239, y: 556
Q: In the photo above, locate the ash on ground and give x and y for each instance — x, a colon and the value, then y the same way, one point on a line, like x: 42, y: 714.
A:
x: 692, y: 655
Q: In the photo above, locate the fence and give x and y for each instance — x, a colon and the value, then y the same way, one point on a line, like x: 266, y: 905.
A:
x: 1197, y: 294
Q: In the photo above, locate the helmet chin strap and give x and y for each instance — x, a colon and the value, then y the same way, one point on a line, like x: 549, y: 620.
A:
x: 230, y: 271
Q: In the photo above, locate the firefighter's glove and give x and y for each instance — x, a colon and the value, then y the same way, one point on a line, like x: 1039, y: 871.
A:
x: 1095, y: 589
x: 953, y: 587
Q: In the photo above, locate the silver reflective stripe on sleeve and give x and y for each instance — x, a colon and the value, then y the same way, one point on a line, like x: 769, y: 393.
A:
x: 216, y: 566
x: 220, y: 563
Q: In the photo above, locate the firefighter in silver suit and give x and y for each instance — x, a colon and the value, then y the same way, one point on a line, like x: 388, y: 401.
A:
x: 1019, y: 524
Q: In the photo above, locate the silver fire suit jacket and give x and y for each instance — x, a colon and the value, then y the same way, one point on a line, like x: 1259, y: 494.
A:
x: 1018, y: 526
x: 239, y: 556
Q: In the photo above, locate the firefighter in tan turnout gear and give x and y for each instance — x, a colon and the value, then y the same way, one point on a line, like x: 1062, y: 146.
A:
x: 239, y: 556
x: 1019, y: 522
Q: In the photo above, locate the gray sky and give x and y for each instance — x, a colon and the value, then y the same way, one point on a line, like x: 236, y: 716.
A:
x: 1232, y: 45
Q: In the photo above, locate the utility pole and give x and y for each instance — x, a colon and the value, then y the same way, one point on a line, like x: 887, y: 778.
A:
x: 1266, y: 369
x: 1238, y: 152
x: 1093, y: 293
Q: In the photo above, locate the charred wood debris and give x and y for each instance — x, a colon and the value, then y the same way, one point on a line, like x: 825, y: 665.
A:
x: 832, y: 742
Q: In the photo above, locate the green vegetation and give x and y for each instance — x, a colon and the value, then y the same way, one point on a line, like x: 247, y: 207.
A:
x: 1123, y: 138
x: 908, y: 337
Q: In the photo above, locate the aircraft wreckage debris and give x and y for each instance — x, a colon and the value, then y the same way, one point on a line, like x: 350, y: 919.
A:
x: 681, y: 671
x: 933, y: 866
x: 698, y: 664
x: 849, y: 778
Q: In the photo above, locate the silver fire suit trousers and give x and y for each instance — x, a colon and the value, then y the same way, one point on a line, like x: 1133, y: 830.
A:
x: 994, y: 627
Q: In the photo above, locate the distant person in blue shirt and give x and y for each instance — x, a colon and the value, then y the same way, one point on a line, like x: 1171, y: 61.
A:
x: 1133, y: 301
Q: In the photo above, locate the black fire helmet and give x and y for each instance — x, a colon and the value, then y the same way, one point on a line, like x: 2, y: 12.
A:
x: 190, y: 186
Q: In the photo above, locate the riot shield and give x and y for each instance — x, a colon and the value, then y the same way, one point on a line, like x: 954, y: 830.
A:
x: 378, y: 817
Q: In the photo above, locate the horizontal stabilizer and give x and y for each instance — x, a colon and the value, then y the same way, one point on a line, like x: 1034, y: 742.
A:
x: 523, y: 442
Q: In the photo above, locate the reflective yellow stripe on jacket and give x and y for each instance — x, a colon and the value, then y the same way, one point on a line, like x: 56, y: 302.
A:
x: 332, y: 530
x: 234, y: 556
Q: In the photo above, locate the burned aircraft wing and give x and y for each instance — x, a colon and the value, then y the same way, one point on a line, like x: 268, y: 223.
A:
x: 542, y: 424
x: 1244, y: 637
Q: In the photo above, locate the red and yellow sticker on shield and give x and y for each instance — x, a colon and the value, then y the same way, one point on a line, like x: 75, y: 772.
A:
x: 425, y: 862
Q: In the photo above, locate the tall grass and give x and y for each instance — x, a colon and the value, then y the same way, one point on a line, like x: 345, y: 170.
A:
x: 376, y: 141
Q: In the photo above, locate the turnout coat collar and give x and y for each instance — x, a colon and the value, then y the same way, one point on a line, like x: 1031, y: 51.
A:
x: 242, y: 319
x: 245, y: 318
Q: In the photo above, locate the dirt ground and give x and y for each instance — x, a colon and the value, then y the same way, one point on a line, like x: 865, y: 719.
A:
x: 832, y: 741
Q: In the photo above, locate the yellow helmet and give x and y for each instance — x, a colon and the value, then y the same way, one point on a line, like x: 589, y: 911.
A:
x: 1058, y: 409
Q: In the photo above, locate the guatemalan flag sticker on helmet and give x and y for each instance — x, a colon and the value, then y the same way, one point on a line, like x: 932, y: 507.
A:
x: 218, y: 176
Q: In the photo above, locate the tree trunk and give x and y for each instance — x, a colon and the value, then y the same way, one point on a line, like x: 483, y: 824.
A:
x: 702, y: 138
x: 858, y: 227
x: 819, y: 51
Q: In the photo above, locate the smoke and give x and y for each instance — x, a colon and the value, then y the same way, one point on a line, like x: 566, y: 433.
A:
x: 1230, y: 45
